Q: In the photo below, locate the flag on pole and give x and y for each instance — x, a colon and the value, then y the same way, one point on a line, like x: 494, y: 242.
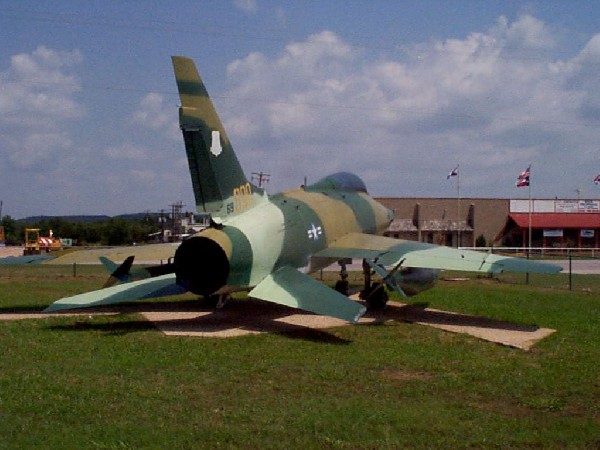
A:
x: 523, y: 178
x: 454, y: 173
x: 597, y: 179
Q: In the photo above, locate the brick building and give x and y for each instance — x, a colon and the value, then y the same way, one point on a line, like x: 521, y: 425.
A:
x: 446, y: 221
x: 554, y: 223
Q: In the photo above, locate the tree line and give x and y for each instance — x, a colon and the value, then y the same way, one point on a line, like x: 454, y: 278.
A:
x: 113, y: 231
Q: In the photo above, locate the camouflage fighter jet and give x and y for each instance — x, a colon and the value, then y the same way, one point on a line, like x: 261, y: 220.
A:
x: 267, y: 245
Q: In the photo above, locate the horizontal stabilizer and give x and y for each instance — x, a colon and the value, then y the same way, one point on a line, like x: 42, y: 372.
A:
x: 137, y: 290
x: 289, y: 287
x: 118, y: 273
x: 109, y: 265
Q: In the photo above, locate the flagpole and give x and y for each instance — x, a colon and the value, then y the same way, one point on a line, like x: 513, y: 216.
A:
x: 530, y: 207
x: 458, y: 235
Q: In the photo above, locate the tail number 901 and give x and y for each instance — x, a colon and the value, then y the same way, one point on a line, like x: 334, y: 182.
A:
x: 242, y: 197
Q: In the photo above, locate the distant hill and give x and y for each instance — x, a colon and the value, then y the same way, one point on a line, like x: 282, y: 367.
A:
x: 83, y: 219
x: 137, y: 216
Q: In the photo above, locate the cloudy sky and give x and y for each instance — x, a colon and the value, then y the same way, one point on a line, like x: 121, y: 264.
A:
x: 398, y: 92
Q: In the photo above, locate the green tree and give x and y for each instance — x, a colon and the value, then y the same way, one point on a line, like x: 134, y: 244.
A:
x: 117, y: 232
x: 12, y: 230
x: 480, y: 241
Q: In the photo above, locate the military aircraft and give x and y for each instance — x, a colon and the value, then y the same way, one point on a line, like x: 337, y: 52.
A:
x: 268, y: 245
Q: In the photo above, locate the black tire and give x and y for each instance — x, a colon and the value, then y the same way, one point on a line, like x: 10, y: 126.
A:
x: 378, y: 296
x: 342, y: 286
x: 210, y: 301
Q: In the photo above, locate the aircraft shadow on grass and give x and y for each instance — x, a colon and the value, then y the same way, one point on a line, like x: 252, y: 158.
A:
x: 419, y: 313
x: 249, y: 315
x: 20, y: 310
x: 257, y: 316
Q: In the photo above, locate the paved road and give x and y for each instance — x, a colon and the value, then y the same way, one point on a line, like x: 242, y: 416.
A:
x: 580, y: 266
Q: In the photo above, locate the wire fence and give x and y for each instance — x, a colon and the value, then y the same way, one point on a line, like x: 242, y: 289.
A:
x: 581, y: 270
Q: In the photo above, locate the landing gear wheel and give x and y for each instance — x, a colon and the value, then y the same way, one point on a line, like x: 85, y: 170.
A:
x: 377, y: 297
x: 342, y: 286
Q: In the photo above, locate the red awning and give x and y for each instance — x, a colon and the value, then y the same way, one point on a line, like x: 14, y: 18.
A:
x: 557, y: 220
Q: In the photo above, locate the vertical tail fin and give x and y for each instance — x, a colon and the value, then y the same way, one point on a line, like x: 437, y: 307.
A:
x: 220, y: 186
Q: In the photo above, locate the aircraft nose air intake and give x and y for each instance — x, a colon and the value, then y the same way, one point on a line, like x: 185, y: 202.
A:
x: 201, y: 266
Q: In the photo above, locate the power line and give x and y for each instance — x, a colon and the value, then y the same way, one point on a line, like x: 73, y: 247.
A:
x: 407, y: 111
x: 261, y: 177
x: 209, y: 30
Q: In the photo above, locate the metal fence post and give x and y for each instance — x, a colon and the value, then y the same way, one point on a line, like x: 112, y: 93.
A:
x: 570, y: 271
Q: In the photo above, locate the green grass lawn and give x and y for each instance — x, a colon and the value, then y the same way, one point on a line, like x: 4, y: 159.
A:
x: 114, y: 382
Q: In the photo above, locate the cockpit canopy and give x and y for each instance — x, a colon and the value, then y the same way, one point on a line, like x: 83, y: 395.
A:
x: 341, y: 181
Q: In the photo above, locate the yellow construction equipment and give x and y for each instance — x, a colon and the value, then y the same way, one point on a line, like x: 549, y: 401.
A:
x: 36, y: 245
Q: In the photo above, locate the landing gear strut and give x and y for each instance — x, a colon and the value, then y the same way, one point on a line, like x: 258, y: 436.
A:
x: 342, y: 285
x: 215, y: 301
x: 374, y: 294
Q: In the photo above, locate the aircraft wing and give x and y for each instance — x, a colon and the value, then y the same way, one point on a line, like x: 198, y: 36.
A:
x: 391, y: 252
x: 287, y: 286
x: 148, y: 288
x: 151, y: 253
x: 28, y: 259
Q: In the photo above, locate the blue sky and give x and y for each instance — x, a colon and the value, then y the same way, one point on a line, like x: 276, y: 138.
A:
x: 397, y: 92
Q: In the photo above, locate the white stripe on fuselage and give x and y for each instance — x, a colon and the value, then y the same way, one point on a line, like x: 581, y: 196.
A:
x: 264, y: 228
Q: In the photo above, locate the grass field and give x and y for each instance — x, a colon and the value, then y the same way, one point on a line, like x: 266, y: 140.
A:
x: 114, y: 382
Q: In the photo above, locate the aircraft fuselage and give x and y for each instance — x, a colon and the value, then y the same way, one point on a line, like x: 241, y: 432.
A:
x: 286, y: 229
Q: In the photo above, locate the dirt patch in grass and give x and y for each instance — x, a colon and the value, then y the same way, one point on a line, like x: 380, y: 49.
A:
x: 401, y: 375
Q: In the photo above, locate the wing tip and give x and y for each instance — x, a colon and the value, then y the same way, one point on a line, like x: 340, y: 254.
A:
x: 358, y: 315
x: 56, y: 306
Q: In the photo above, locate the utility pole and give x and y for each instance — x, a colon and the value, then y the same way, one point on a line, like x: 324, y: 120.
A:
x: 261, y: 177
x: 176, y: 209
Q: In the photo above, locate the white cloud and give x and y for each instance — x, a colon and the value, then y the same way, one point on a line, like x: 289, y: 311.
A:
x: 39, y: 83
x: 527, y: 32
x: 152, y: 112
x: 35, y: 150
x: 143, y: 176
x: 480, y: 100
x: 126, y: 152
x: 494, y: 100
x: 248, y: 6
x: 37, y: 100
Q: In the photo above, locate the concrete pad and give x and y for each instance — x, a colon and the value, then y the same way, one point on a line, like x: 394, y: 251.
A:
x: 501, y: 332
x: 244, y: 317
